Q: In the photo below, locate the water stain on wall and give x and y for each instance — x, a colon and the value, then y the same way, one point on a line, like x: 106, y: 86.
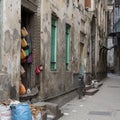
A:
x: 15, y: 35
x: 7, y: 42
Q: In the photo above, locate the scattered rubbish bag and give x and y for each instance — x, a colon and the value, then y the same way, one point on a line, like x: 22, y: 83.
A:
x: 36, y: 112
x: 37, y: 117
x: 15, y: 102
x: 20, y: 111
x: 5, y: 112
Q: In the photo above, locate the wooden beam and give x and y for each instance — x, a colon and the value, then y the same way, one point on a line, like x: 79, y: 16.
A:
x: 29, y: 5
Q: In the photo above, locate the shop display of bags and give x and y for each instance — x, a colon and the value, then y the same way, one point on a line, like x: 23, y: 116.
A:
x: 23, y: 54
x: 22, y: 70
x: 29, y: 59
x: 26, y: 59
x: 23, y: 43
x: 26, y: 56
x: 24, y: 32
x: 26, y: 52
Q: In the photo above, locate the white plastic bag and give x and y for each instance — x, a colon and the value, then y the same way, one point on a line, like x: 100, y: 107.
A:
x: 5, y: 113
x: 37, y: 117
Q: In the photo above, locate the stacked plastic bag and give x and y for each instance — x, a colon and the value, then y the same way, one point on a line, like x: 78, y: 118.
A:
x: 15, y: 110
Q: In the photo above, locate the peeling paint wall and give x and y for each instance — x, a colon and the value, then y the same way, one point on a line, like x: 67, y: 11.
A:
x: 60, y: 81
x: 1, y: 20
x: 101, y: 39
x: 11, y: 45
x: 52, y: 83
x: 110, y: 57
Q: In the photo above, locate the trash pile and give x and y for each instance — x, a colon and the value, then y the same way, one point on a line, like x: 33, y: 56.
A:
x: 15, y: 110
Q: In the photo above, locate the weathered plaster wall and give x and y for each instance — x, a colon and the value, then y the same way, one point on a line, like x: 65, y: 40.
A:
x: 10, y: 46
x: 1, y: 20
x: 116, y: 29
x: 88, y: 68
x: 110, y: 57
x: 101, y: 39
x: 60, y: 81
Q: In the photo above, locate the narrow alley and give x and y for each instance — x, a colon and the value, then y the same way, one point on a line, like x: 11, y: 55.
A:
x: 104, y: 105
x: 53, y: 52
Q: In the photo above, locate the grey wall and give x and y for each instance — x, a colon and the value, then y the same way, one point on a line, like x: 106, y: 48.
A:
x: 1, y: 20
x: 60, y: 81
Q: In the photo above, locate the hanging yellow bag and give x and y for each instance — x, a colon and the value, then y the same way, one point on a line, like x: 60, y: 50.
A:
x: 23, y: 54
x: 23, y: 42
x: 24, y: 32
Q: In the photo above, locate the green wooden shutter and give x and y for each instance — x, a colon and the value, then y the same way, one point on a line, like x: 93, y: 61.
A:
x: 67, y: 46
x: 53, y: 43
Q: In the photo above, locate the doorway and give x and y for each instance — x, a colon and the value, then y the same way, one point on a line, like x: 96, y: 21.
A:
x: 26, y: 17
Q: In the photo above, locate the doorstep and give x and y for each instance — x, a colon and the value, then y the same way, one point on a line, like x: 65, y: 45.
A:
x: 91, y: 91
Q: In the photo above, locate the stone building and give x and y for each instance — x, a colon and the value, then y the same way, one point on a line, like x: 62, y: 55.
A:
x: 65, y: 37
x: 9, y: 48
x: 14, y: 15
x: 63, y: 26
x: 115, y: 34
x: 110, y: 57
x: 99, y: 39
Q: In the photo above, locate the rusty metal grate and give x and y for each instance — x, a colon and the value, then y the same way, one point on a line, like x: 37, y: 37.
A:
x: 103, y: 113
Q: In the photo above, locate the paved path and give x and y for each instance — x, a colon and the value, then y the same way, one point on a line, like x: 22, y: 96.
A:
x: 104, y: 105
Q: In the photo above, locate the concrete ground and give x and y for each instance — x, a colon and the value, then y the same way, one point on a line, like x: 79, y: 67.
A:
x: 104, y: 105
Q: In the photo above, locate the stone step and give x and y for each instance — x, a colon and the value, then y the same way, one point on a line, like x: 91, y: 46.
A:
x: 51, y: 109
x: 50, y: 117
x: 100, y: 84
x: 91, y: 91
x: 54, y: 110
x: 44, y: 112
x: 87, y: 87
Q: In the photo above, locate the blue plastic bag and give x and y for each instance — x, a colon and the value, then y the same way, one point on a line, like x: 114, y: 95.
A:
x: 21, y: 111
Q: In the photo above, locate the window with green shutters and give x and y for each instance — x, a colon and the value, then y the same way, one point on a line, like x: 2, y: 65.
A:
x: 67, y: 44
x: 53, y: 63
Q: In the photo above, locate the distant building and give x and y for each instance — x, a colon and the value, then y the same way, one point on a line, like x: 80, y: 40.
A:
x: 110, y: 57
